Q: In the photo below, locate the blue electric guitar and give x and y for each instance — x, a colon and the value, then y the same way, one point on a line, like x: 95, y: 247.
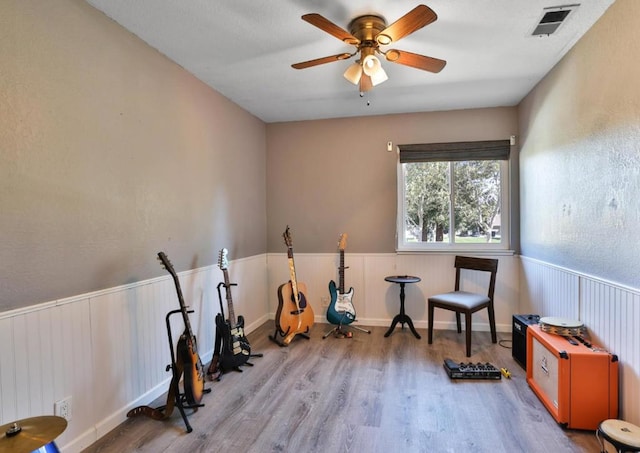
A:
x: 341, y: 309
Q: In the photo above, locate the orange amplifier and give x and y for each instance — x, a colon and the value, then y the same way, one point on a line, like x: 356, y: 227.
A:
x: 575, y: 380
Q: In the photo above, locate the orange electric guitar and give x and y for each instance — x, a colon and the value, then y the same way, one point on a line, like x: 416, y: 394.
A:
x: 187, y: 366
x: 294, y: 315
x: 187, y: 348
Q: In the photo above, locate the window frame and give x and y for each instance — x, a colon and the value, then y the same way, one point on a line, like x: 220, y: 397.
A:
x: 505, y: 189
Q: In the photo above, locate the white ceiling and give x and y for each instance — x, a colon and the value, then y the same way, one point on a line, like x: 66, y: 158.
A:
x: 244, y: 49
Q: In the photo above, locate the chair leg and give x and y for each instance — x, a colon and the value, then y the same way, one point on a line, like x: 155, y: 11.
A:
x: 430, y: 324
x: 492, y: 325
x: 458, y: 322
x: 467, y: 326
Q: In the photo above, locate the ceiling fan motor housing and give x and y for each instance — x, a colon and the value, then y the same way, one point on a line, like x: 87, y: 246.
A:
x: 367, y: 28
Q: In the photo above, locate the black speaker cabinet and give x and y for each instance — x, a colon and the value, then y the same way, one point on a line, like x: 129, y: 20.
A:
x: 519, y: 337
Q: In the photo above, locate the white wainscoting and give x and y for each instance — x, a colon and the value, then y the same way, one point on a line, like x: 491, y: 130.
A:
x: 108, y: 350
x: 610, y: 312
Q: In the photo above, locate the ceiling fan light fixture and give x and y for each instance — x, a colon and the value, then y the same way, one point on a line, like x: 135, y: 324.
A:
x: 378, y: 76
x: 372, y: 67
x: 353, y: 73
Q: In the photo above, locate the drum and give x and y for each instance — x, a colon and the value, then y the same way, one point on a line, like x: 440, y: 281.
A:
x: 562, y: 326
x: 49, y: 448
x: 624, y: 436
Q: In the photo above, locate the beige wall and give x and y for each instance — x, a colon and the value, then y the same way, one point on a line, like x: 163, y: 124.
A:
x: 580, y: 158
x: 327, y: 177
x: 110, y: 152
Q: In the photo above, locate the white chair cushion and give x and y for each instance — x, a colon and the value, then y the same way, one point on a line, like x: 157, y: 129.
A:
x: 460, y: 299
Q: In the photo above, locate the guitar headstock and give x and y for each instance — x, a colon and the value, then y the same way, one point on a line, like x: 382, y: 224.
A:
x: 222, y: 259
x: 288, y: 241
x: 287, y: 237
x: 164, y: 260
x: 342, y: 243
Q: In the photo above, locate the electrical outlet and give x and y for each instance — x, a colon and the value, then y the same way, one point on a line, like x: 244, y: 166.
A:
x: 62, y: 408
x: 325, y: 301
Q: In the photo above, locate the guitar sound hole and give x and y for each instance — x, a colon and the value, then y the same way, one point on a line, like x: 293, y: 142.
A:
x: 302, y: 302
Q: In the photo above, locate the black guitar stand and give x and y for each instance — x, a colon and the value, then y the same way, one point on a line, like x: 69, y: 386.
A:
x: 282, y: 334
x: 180, y: 398
x: 218, y: 371
x: 339, y: 333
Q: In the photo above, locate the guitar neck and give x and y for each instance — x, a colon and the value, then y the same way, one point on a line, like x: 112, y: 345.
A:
x: 294, y: 283
x: 183, y: 306
x: 341, y: 272
x: 227, y: 286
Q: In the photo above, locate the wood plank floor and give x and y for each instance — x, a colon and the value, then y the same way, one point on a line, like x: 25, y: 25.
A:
x: 364, y: 394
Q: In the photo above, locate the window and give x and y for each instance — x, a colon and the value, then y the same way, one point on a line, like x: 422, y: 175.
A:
x: 453, y: 196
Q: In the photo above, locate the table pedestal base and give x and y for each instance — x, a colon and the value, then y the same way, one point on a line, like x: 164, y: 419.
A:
x: 402, y: 319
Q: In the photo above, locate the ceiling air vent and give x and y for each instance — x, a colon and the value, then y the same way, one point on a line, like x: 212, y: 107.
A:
x: 552, y: 18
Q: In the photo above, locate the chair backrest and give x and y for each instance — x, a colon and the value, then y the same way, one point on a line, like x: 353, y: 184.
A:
x: 477, y: 264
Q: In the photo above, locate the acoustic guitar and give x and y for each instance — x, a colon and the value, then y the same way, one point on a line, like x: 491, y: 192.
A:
x: 294, y: 315
x: 341, y: 309
x: 235, y: 350
x: 187, y: 356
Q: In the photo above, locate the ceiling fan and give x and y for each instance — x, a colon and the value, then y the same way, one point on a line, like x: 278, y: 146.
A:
x: 367, y: 33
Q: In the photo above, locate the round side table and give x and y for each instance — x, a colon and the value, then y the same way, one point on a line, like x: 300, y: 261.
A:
x: 402, y: 318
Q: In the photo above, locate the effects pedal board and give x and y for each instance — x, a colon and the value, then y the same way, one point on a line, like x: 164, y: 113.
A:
x: 459, y: 370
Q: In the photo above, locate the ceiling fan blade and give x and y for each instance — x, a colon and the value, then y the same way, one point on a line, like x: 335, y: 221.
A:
x: 365, y: 83
x: 323, y: 60
x: 414, y: 20
x: 326, y: 25
x: 415, y: 60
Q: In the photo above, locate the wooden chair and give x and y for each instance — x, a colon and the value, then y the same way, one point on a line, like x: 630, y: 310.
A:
x: 467, y: 302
